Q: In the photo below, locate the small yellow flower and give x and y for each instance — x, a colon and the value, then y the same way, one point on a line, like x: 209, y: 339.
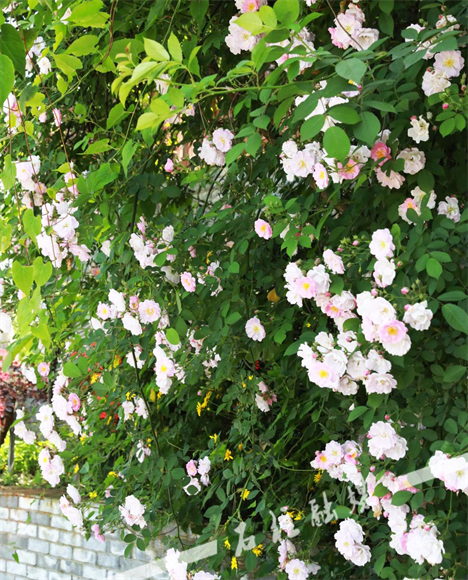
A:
x: 228, y: 455
x: 245, y: 494
x: 94, y: 378
x: 318, y: 476
x: 240, y: 447
x: 214, y: 437
x: 199, y: 409
x: 92, y: 494
x: 251, y: 377
x: 208, y: 261
x: 109, y: 420
x: 148, y: 440
x: 233, y: 563
x: 308, y: 324
x: 77, y: 467
x: 152, y: 396
x: 258, y: 550
x: 227, y: 544
x: 83, y: 438
x: 244, y: 385
x: 112, y: 473
x: 117, y: 361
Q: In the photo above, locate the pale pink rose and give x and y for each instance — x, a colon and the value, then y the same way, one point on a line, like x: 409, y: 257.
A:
x: 263, y: 229
x: 350, y: 170
x: 306, y: 287
x: 381, y: 152
x: 394, y: 331
x: 188, y: 282
x: 191, y: 468
x: 254, y: 329
x: 74, y: 401
x: 169, y: 166
x: 322, y: 375
x: 333, y: 262
x: 57, y: 117
x: 320, y: 175
x: 43, y: 369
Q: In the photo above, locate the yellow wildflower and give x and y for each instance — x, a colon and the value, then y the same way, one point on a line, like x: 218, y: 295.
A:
x: 214, y: 437
x: 240, y: 447
x: 233, y: 563
x: 318, y: 475
x: 308, y: 324
x: 92, y: 494
x: 94, y: 378
x: 228, y: 455
x: 227, y: 544
x: 251, y: 377
x: 77, y: 467
x: 208, y: 261
x: 258, y: 550
x: 199, y: 409
x: 245, y: 494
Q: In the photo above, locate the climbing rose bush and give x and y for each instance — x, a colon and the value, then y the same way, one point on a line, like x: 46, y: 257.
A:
x: 233, y: 241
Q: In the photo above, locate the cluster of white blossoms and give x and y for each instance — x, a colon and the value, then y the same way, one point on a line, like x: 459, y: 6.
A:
x: 194, y: 468
x: 146, y: 250
x: 453, y: 471
x: 339, y: 365
x: 450, y: 209
x: 63, y: 237
x: 214, y: 148
x: 137, y: 406
x: 340, y: 461
x: 51, y: 467
x: 415, y: 202
x: 178, y: 570
x: 420, y: 543
x: 384, y: 441
x: 301, y: 163
x: 132, y: 512
x: 21, y: 430
x: 349, y: 30
x: 349, y: 542
x: 73, y: 514
x: 396, y: 515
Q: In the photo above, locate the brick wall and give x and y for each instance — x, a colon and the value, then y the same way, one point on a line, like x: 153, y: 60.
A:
x: 49, y: 549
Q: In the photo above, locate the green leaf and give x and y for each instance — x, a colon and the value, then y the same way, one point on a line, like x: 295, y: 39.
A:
x: 380, y: 490
x: 451, y: 427
x: 233, y: 318
x: 32, y: 224
x: 381, y: 106
x: 454, y: 373
x: 67, y: 63
x: 356, y: 413
x: 11, y: 45
x: 368, y: 128
x: 9, y: 173
x: 234, y: 153
x: 434, y: 268
x: 447, y: 127
x: 401, y: 497
x: 88, y: 14
x: 312, y: 127
x: 456, y: 317
x: 41, y: 331
x: 172, y: 336
x: 344, y: 114
x: 174, y: 47
x: 453, y: 296
x: 250, y: 21
x: 155, y: 50
x: 127, y: 153
x: 7, y: 77
x: 42, y: 272
x: 23, y: 277
x: 352, y: 69
x: 336, y: 143
x: 287, y: 11
x: 83, y: 45
x: 449, y: 43
x: 116, y: 115
x: 97, y: 147
x: 71, y: 370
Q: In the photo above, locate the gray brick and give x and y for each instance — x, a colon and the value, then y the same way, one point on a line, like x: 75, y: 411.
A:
x: 28, y: 503
x: 83, y: 555
x: 9, y: 526
x: 39, y: 518
x: 61, y: 551
x: 95, y: 545
x: 18, y: 515
x: 47, y: 562
x: 12, y: 501
x: 94, y: 573
x: 26, y: 557
x: 27, y: 530
x: 17, y: 541
x: 38, y: 546
x: 108, y: 561
x: 59, y: 576
x: 37, y: 573
x: 141, y: 556
x: 61, y: 523
x: 14, y: 568
x: 48, y: 534
x: 4, y: 513
x: 2, y: 565
x: 117, y: 548
x: 71, y: 567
